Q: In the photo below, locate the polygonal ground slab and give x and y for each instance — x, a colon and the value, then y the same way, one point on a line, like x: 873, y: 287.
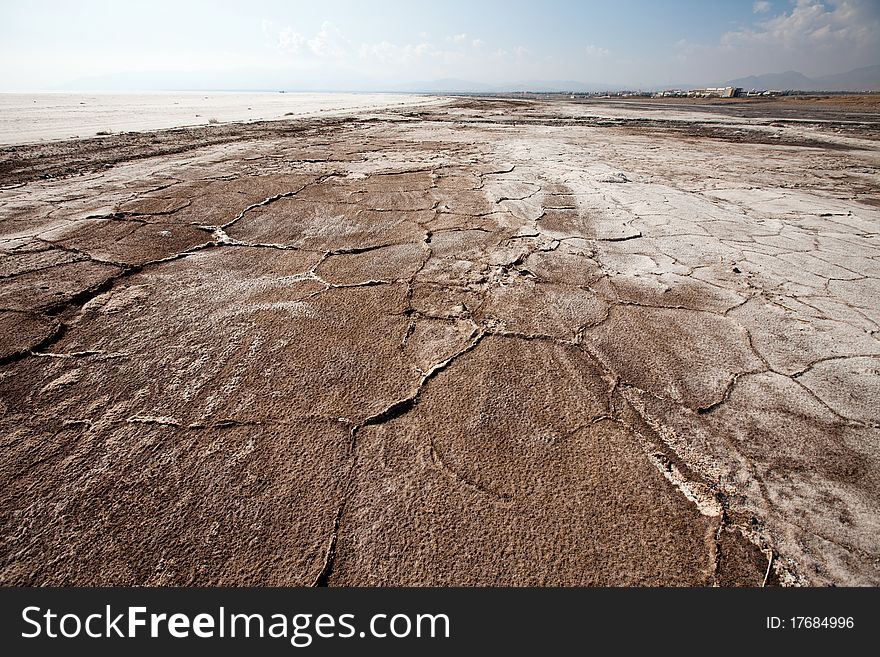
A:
x: 328, y: 227
x: 850, y: 386
x: 685, y: 355
x: 20, y: 332
x: 49, y: 288
x: 136, y: 504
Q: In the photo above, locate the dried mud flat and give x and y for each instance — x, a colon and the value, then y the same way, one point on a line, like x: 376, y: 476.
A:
x: 489, y: 342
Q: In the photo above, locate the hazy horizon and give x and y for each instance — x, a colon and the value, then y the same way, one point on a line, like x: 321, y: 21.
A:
x: 346, y: 46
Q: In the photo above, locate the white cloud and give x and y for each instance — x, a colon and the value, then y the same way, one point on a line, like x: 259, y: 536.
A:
x: 283, y: 38
x: 810, y: 23
x: 684, y: 49
x: 761, y: 7
x: 813, y: 37
x: 323, y: 50
x: 329, y: 42
x: 391, y: 53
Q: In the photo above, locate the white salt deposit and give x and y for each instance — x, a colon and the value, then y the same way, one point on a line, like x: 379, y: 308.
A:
x: 26, y: 118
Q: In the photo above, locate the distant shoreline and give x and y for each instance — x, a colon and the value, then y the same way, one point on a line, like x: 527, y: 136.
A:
x: 48, y: 116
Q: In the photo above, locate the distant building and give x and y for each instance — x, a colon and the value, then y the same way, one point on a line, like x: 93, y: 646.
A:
x: 763, y: 92
x: 715, y: 92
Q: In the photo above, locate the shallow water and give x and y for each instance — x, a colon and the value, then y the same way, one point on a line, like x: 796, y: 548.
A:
x: 26, y: 118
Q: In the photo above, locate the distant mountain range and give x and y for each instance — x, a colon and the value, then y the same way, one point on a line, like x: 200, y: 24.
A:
x: 456, y: 86
x: 859, y: 79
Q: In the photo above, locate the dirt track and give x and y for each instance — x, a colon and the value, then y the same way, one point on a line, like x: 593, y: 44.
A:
x: 493, y: 342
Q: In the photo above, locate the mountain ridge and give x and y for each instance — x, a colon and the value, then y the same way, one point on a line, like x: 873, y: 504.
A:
x: 866, y: 78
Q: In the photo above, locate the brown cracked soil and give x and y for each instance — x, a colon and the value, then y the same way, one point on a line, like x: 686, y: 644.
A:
x: 491, y: 342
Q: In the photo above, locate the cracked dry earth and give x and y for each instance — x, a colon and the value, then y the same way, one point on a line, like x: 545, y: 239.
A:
x: 487, y: 343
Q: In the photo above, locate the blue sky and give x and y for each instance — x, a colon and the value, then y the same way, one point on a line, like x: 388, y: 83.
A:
x: 351, y: 45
